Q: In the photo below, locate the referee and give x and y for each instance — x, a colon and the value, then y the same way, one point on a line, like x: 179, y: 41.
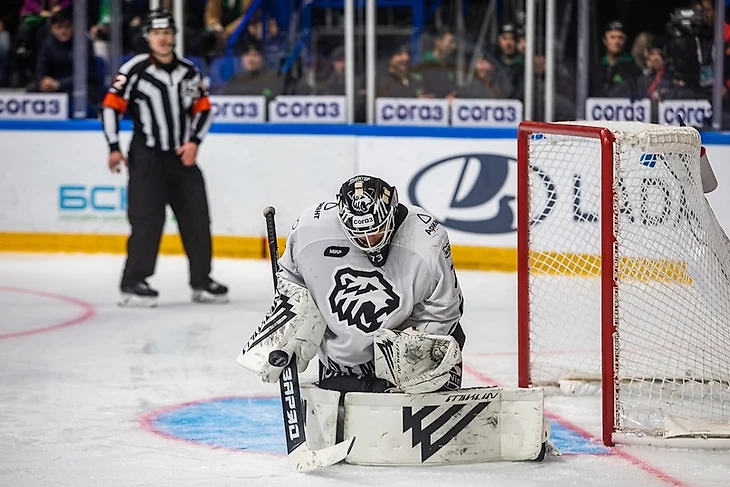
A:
x: 170, y: 111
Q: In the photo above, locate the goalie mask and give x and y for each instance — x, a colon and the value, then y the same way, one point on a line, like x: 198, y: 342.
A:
x: 366, y: 207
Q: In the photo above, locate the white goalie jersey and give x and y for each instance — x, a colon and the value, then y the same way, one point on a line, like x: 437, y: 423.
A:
x: 416, y: 287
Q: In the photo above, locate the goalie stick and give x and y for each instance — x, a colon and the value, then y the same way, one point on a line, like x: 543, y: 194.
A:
x: 301, y: 457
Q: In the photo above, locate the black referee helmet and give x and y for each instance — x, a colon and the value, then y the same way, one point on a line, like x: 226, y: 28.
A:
x: 160, y: 18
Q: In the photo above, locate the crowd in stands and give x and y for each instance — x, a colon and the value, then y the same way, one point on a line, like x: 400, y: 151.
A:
x: 36, y: 49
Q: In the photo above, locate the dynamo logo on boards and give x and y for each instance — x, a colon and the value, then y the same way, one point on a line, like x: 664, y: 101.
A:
x: 472, y: 196
x: 474, y: 193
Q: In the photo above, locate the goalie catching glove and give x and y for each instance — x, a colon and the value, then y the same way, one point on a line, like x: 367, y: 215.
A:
x: 414, y: 361
x: 293, y: 326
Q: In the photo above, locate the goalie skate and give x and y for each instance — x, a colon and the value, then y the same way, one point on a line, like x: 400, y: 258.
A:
x: 138, y: 296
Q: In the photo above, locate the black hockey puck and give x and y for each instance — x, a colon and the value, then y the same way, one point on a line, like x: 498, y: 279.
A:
x: 278, y: 358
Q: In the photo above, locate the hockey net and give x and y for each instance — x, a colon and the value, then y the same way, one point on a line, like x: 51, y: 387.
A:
x: 624, y: 276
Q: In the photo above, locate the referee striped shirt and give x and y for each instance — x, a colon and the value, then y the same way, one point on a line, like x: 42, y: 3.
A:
x: 168, y: 103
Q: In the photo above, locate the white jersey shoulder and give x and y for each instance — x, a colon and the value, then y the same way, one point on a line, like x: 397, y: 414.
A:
x: 319, y: 216
x: 319, y: 220
x: 126, y: 68
x: 421, y: 233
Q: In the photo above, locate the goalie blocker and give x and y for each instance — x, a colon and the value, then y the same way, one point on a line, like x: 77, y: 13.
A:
x: 472, y: 425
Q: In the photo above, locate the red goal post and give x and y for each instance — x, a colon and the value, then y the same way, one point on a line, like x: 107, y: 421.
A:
x: 615, y: 243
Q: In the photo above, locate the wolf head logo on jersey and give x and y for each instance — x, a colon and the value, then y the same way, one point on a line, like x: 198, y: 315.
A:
x: 364, y: 299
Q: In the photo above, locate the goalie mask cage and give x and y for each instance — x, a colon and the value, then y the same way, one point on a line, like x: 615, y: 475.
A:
x: 624, y: 278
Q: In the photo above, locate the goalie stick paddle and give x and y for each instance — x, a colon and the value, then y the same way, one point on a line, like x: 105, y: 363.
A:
x: 301, y: 457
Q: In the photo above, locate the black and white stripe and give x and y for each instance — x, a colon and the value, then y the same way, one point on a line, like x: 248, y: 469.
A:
x: 160, y: 100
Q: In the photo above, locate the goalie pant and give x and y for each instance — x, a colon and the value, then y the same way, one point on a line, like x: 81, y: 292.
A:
x: 333, y: 377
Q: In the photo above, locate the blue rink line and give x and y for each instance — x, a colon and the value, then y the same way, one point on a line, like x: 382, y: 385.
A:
x: 256, y: 425
x: 360, y: 130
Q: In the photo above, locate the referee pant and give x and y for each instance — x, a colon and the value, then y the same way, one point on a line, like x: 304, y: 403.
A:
x: 157, y: 178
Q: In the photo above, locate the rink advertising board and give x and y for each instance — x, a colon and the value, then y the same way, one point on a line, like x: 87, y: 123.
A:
x: 460, y: 112
x: 56, y: 197
x: 307, y: 109
x: 485, y: 113
x: 618, y: 110
x: 422, y: 112
x: 239, y: 109
x: 668, y: 112
x: 693, y: 112
x: 33, y: 106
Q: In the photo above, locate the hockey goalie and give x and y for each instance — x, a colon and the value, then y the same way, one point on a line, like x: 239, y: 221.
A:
x: 367, y: 284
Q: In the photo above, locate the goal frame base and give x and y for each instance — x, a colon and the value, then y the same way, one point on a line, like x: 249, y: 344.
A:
x: 629, y: 439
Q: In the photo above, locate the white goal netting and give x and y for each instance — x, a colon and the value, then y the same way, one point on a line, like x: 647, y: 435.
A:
x: 671, y: 308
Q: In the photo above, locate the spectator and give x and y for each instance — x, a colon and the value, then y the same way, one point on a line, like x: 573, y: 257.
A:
x: 521, y: 41
x: 31, y: 32
x: 270, y: 45
x: 617, y: 72
x: 490, y: 80
x: 639, y: 49
x: 707, y: 42
x: 399, y: 81
x: 132, y: 14
x: 512, y: 61
x: 437, y: 68
x: 335, y: 83
x: 99, y: 31
x: 444, y: 46
x: 708, y: 12
x: 54, y: 72
x: 9, y: 17
x: 222, y: 17
x: 655, y: 81
x: 256, y: 79
x: 564, y: 99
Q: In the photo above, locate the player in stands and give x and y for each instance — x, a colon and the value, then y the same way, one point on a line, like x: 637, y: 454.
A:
x: 374, y: 286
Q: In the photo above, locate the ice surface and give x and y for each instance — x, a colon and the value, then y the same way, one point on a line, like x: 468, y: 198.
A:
x: 76, y: 399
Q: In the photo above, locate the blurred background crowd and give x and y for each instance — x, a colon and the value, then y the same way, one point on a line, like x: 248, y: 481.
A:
x: 449, y: 49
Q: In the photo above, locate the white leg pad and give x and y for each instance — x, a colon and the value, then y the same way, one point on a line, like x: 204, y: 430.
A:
x: 320, y: 421
x: 523, y: 428
x: 467, y: 426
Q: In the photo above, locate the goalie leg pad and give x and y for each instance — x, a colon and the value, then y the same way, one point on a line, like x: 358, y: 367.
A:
x: 293, y: 326
x: 472, y: 425
x: 321, y: 409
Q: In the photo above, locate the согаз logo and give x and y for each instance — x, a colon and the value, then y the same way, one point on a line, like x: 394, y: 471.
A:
x: 468, y: 192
